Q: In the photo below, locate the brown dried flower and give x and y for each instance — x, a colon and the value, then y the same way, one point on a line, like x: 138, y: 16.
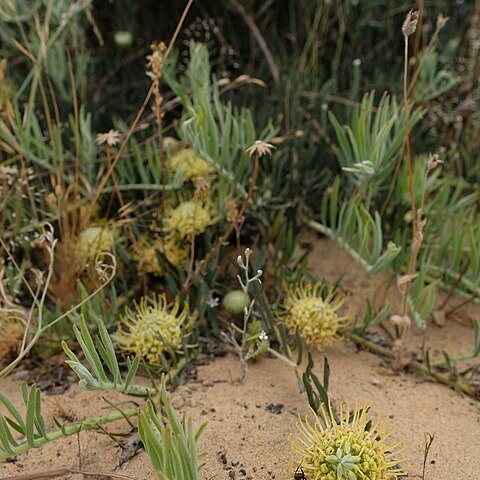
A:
x: 202, y: 188
x: 433, y: 162
x: 111, y: 138
x: 441, y: 21
x: 232, y: 211
x: 260, y: 148
x: 156, y: 60
x: 410, y: 24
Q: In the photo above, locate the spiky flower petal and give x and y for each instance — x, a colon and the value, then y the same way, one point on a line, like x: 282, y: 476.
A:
x: 154, y: 330
x: 346, y: 448
x: 146, y: 252
x: 175, y: 250
x: 192, y: 165
x: 313, y: 308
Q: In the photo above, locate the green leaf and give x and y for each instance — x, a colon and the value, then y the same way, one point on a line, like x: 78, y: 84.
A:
x: 30, y: 419
x: 85, y: 340
x: 132, y: 371
x: 14, y: 412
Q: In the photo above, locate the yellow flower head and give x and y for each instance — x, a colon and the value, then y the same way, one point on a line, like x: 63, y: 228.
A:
x: 348, y: 448
x: 313, y: 308
x: 190, y: 164
x: 175, y: 250
x: 189, y: 217
x: 146, y: 253
x: 92, y: 242
x: 153, y: 330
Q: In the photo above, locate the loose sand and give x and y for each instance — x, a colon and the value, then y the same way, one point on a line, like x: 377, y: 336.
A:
x: 249, y: 425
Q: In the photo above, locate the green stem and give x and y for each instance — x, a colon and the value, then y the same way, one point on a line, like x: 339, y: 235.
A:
x: 459, y: 358
x: 139, y: 186
x: 282, y: 357
x: 291, y: 364
x: 40, y: 329
x: 72, y: 429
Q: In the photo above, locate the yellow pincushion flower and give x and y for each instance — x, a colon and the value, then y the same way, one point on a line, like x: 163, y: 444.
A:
x: 146, y: 253
x: 175, y: 250
x: 192, y: 165
x: 92, y: 242
x: 189, y: 217
x: 313, y: 308
x: 153, y: 330
x: 348, y: 448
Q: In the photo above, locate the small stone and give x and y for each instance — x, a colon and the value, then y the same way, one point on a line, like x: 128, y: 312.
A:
x: 178, y: 402
x: 223, y: 458
x: 439, y: 318
x: 275, y: 408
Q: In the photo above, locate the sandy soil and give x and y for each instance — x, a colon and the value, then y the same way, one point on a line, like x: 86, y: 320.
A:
x: 249, y: 425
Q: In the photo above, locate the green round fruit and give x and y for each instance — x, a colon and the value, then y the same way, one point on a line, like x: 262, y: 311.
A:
x: 236, y: 301
x: 123, y: 39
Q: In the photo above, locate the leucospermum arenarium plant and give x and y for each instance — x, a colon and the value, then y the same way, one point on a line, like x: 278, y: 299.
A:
x: 153, y: 330
x: 120, y: 180
x: 146, y: 252
x: 192, y: 165
x: 314, y: 310
x: 92, y: 242
x: 350, y: 446
x: 187, y: 215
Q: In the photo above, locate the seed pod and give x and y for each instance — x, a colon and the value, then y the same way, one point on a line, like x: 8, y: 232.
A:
x: 410, y: 24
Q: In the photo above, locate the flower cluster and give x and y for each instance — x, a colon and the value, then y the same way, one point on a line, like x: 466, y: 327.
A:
x: 154, y: 331
x: 191, y: 165
x: 92, y: 242
x: 348, y: 448
x: 146, y: 254
x: 313, y: 308
x: 188, y: 217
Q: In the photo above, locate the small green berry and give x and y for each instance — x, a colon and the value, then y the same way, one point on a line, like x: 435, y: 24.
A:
x: 236, y: 301
x: 123, y: 39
